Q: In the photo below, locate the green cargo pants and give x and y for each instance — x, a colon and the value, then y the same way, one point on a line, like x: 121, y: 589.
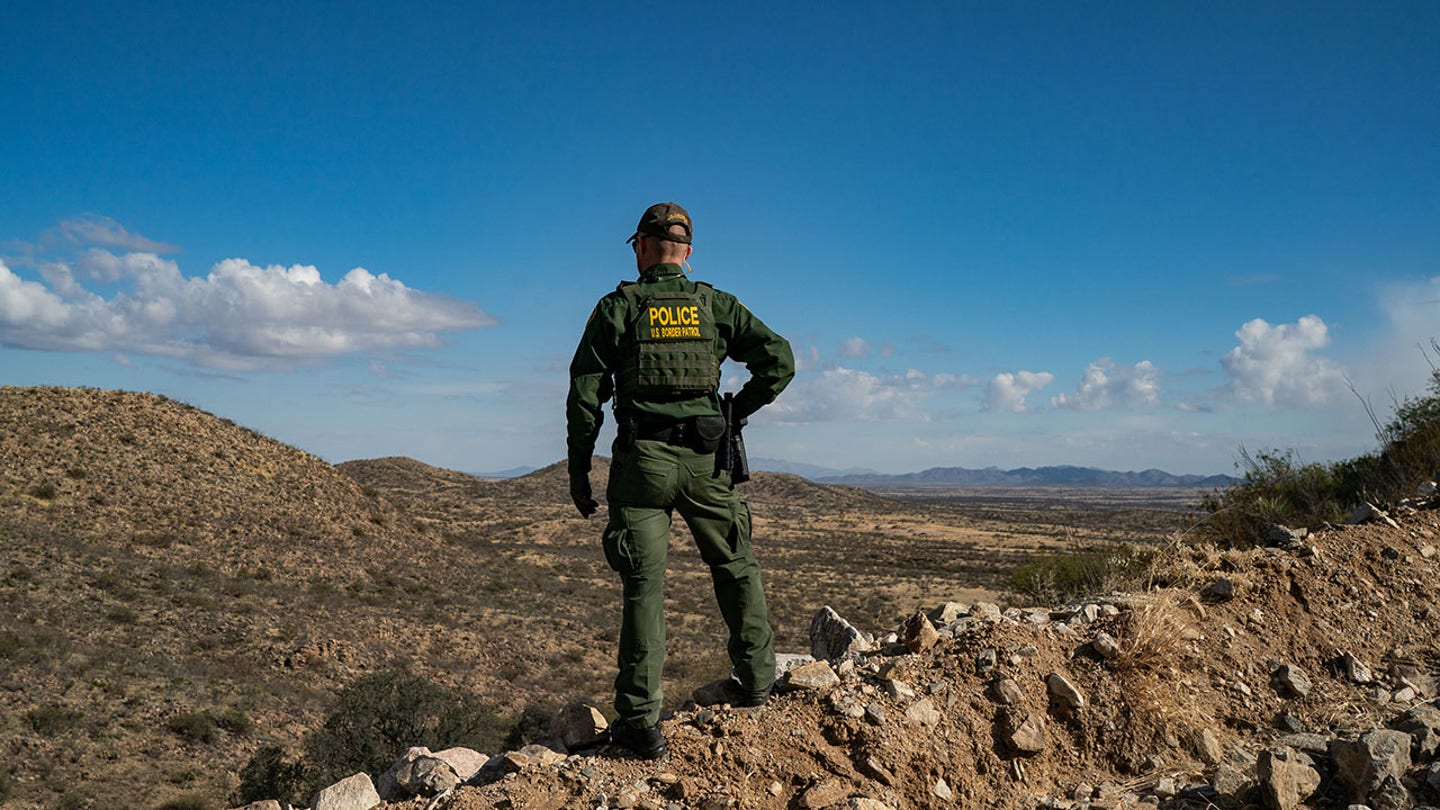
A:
x: 648, y: 481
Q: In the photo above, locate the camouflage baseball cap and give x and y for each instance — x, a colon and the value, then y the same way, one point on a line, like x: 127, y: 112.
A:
x: 657, y: 220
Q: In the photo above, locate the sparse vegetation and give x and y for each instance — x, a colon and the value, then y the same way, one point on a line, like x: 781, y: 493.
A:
x: 189, y: 801
x: 269, y: 775
x: 1278, y: 487
x: 51, y: 720
x: 45, y: 491
x: 200, y: 727
x: 378, y: 716
x: 1057, y: 578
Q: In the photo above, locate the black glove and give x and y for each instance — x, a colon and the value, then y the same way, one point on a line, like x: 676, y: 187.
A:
x: 580, y: 494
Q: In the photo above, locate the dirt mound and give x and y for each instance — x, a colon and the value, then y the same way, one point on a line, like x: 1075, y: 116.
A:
x: 136, y: 469
x: 1193, y: 690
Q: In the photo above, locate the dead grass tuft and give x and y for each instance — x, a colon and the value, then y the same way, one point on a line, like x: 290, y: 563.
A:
x: 1154, y: 645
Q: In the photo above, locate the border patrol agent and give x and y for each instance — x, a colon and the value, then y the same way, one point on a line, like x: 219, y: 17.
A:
x: 655, y: 345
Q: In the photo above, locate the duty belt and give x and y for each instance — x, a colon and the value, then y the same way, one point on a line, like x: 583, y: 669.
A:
x: 664, y: 430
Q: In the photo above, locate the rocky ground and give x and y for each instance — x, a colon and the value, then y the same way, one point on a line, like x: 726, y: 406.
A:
x: 1302, y: 676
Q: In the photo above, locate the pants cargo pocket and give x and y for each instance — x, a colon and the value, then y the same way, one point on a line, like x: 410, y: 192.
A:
x: 619, y: 549
x: 740, y: 528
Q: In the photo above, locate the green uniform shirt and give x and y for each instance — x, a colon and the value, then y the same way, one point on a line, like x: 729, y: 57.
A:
x: 740, y: 335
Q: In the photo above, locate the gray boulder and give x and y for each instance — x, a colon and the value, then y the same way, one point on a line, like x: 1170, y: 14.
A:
x: 465, y: 761
x: 353, y: 793
x: 426, y: 776
x: 948, y: 613
x: 1362, y: 765
x: 1287, y: 777
x: 578, y: 725
x: 1422, y: 723
x: 832, y: 638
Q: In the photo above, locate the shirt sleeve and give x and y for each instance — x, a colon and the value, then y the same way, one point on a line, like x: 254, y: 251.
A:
x: 765, y: 354
x: 591, y: 386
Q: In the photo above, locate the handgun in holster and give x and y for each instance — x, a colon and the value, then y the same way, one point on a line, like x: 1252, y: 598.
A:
x: 731, y: 454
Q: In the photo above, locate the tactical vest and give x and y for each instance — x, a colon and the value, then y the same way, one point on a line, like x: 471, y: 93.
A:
x: 668, y: 349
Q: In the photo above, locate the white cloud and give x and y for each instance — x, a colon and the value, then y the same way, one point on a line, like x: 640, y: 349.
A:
x: 1103, y: 386
x: 240, y: 316
x: 843, y: 394
x: 1398, y: 359
x: 1274, y: 364
x: 92, y: 229
x: 1007, y: 392
x: 807, y: 359
x: 854, y: 348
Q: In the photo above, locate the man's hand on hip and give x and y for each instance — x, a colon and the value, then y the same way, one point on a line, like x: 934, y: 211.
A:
x: 580, y: 494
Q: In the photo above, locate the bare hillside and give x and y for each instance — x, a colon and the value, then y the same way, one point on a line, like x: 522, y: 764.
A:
x: 176, y: 589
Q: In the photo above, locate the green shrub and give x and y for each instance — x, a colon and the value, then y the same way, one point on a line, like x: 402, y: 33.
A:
x: 200, y: 727
x: 1057, y: 578
x: 45, y: 491
x: 1275, y: 488
x: 52, y: 720
x: 268, y: 775
x: 189, y: 801
x: 10, y: 644
x: 378, y: 716
x: 235, y: 721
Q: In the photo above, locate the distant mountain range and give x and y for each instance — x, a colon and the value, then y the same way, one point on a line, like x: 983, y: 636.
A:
x: 1062, y: 476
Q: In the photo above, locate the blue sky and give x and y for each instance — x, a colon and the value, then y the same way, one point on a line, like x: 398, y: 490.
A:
x: 1121, y: 235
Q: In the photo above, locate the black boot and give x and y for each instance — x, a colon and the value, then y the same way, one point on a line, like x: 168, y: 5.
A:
x: 644, y: 742
x: 737, y: 695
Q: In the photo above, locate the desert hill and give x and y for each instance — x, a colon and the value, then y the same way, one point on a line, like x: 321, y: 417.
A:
x: 176, y: 589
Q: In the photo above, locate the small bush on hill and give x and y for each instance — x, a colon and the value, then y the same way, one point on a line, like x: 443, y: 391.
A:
x: 1058, y: 578
x: 194, y: 726
x: 189, y: 801
x: 268, y: 775
x: 378, y: 716
x: 45, y: 491
x: 52, y: 720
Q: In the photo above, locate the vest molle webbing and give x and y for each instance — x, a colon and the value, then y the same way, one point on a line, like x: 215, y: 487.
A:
x: 669, y: 348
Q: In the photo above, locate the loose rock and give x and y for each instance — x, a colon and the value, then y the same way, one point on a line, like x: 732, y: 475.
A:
x: 831, y: 637
x: 353, y: 793
x: 1064, y: 691
x: 1287, y: 777
x: 1291, y: 681
x: 1007, y: 692
x: 580, y: 726
x: 1105, y: 646
x: 824, y: 794
x: 923, y: 712
x: 1422, y: 723
x: 1029, y: 736
x: 1363, y: 764
x: 817, y: 676
x: 919, y: 634
x: 948, y: 613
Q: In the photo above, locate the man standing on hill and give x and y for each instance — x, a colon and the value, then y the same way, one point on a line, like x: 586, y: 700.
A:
x: 656, y: 346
